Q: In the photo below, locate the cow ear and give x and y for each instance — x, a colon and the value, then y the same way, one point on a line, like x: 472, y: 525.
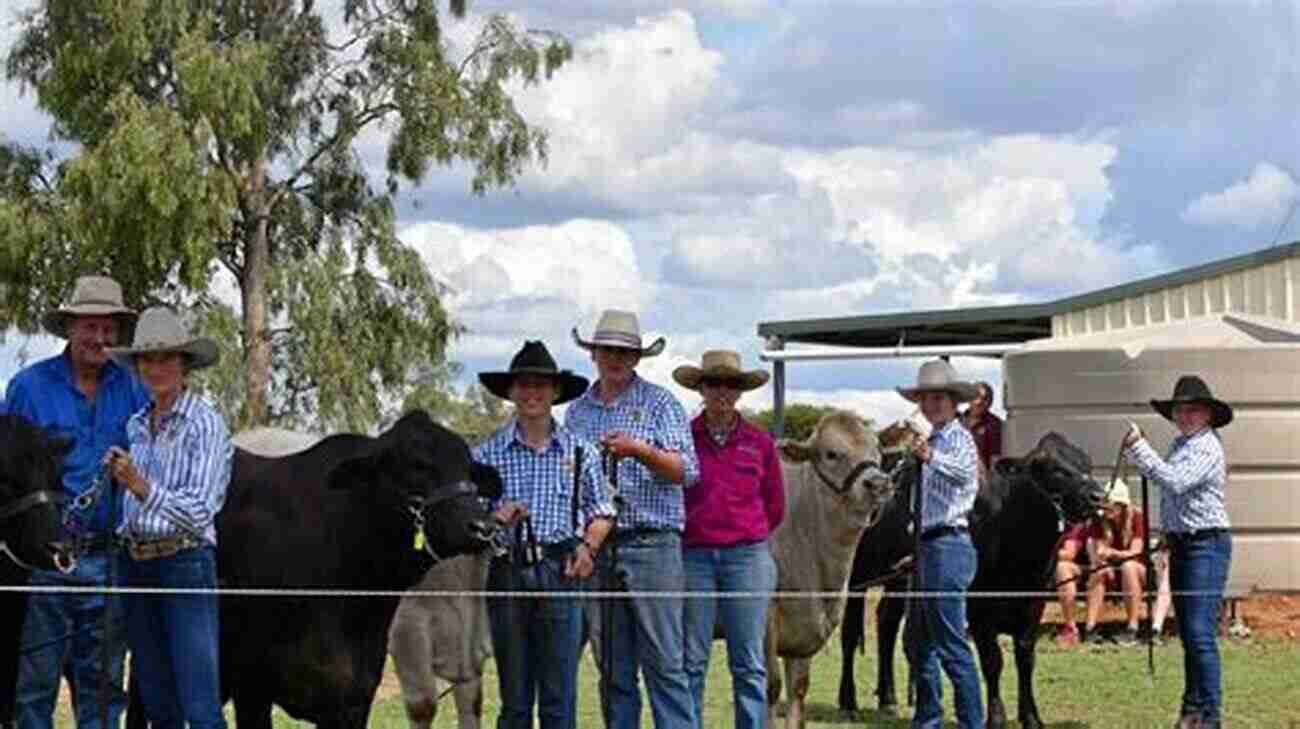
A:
x: 796, y: 451
x: 487, y: 479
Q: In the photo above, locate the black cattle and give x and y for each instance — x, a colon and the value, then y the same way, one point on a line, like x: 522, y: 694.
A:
x: 31, y: 467
x: 339, y: 516
x: 1020, y: 514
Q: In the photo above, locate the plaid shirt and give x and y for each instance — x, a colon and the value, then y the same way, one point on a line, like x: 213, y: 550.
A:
x: 187, y: 464
x: 650, y: 413
x: 950, y: 480
x: 1191, y: 479
x: 543, y: 480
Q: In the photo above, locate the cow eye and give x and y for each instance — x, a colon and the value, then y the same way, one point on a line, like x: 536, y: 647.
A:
x: 832, y: 455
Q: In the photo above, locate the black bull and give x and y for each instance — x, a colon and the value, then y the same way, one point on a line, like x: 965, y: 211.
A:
x: 1020, y: 514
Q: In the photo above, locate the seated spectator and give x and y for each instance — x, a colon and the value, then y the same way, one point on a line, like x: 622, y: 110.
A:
x: 1114, y: 550
x: 1071, y: 561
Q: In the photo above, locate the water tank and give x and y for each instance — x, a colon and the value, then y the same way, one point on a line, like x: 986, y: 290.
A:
x: 1088, y: 387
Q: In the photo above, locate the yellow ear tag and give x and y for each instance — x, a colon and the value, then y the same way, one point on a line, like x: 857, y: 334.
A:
x: 419, y: 540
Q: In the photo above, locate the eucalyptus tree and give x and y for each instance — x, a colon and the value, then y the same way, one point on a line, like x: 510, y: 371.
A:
x: 245, y: 157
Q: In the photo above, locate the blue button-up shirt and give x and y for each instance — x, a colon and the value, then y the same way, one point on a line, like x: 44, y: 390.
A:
x: 1191, y: 480
x: 649, y: 413
x: 187, y: 464
x: 46, y: 393
x: 543, y: 480
x: 950, y: 481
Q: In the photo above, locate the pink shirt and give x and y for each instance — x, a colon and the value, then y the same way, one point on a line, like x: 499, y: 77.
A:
x: 741, y: 494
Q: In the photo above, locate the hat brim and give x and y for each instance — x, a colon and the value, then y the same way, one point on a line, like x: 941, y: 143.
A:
x: 570, y: 385
x: 201, y: 352
x: 960, y: 391
x: 690, y: 376
x: 1220, y: 411
x: 56, y: 321
x: 654, y: 350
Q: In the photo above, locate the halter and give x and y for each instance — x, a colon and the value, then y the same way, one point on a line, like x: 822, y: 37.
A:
x: 418, y: 508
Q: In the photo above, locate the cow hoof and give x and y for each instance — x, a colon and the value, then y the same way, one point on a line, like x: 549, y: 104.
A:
x: 1031, y: 722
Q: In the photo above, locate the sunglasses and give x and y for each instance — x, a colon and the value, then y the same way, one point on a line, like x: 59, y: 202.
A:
x: 730, y: 383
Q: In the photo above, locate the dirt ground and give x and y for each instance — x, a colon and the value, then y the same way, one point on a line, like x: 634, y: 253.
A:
x: 1268, y: 615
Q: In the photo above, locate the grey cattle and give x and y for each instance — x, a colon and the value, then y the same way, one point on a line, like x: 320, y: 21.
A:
x: 834, y: 490
x: 443, y: 638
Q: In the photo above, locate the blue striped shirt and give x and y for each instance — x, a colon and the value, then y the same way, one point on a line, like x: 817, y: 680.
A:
x: 1191, y: 480
x: 950, y: 481
x: 46, y: 393
x: 543, y: 480
x: 187, y: 465
x: 649, y: 413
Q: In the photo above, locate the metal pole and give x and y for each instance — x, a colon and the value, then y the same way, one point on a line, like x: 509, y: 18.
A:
x: 778, y: 389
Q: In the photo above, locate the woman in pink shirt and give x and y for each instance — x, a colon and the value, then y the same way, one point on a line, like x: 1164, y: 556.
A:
x: 738, y: 502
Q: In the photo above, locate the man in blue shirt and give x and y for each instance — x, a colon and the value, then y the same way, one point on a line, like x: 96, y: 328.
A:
x: 86, y: 397
x: 645, y: 427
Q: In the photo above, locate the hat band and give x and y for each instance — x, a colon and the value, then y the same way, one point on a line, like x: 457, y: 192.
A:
x: 96, y: 302
x: 617, y: 339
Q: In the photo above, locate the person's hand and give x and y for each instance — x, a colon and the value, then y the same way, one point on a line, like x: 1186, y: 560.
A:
x: 622, y: 445
x: 510, y: 512
x: 921, y: 449
x: 1133, y: 435
x: 581, y: 562
x: 125, y: 472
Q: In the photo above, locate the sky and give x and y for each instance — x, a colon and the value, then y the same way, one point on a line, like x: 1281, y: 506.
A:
x: 719, y: 163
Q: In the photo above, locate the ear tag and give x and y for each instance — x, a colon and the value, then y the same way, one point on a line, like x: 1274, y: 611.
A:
x: 419, y: 540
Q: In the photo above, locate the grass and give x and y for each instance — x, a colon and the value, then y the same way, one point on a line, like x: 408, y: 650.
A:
x: 1078, y: 688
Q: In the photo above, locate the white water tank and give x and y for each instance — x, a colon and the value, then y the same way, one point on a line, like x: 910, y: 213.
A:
x: 1088, y: 388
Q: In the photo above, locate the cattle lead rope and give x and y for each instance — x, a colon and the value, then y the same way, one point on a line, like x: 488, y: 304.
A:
x: 1150, y: 583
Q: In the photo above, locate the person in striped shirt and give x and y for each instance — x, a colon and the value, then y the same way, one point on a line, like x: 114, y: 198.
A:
x: 1192, y: 478
x: 175, y: 476
x: 550, y: 476
x: 946, y: 563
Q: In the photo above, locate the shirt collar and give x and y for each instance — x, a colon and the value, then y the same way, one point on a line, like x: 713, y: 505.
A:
x: 593, y: 392
x: 107, y: 373
x: 937, y: 433
x: 516, y: 438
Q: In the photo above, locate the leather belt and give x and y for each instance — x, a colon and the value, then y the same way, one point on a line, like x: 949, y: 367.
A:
x: 942, y: 531
x: 1181, y: 538
x: 142, y: 551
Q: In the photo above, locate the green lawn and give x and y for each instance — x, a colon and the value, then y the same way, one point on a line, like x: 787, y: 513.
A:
x: 1105, y: 688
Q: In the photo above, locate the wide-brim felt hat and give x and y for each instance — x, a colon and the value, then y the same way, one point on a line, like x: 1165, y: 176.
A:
x: 1192, y: 389
x: 161, y: 330
x: 91, y: 296
x: 619, y: 329
x: 722, y: 364
x: 534, y: 359
x: 939, y: 376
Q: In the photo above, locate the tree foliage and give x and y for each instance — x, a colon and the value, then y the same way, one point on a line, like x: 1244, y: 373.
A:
x: 800, y: 419
x: 220, y: 164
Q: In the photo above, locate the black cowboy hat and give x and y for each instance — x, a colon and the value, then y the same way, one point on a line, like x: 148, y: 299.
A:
x: 1192, y: 389
x: 534, y: 359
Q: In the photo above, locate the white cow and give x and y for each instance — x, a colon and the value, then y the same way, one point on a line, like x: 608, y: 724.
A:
x: 443, y: 638
x: 834, y: 490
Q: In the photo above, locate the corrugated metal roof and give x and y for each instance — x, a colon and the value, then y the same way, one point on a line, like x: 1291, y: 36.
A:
x: 995, y: 324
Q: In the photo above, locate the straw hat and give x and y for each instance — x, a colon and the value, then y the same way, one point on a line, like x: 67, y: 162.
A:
x: 619, y: 329
x: 721, y: 364
x: 1192, y: 389
x: 1119, y: 493
x: 534, y: 359
x: 91, y: 296
x: 160, y: 330
x: 938, y: 375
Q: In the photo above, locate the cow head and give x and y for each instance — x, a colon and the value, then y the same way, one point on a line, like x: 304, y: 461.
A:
x: 425, y: 471
x: 845, y: 456
x: 31, y: 489
x: 1064, y: 473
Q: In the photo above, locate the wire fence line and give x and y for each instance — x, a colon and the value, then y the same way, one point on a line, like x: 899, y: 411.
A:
x: 584, y: 594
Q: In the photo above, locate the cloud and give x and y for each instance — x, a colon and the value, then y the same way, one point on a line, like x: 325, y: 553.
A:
x: 1263, y: 199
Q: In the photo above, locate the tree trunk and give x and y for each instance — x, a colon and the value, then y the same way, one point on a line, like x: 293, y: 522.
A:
x: 257, y: 345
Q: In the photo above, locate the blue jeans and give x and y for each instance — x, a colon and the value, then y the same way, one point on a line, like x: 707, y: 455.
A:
x: 646, y: 633
x: 174, y: 640
x: 742, y: 568
x: 1200, y: 565
x: 946, y: 565
x: 68, y: 627
x: 535, y: 642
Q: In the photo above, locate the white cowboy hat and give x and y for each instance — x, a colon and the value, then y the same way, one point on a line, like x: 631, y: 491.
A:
x: 619, y: 329
x: 91, y: 296
x: 160, y: 330
x: 720, y: 364
x: 938, y: 375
